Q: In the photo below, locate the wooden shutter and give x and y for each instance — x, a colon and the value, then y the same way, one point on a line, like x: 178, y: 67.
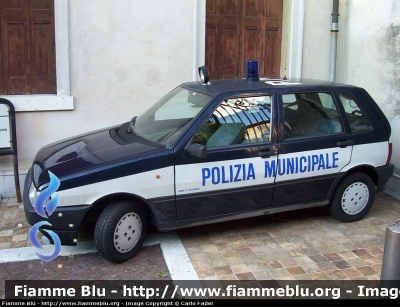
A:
x: 223, y: 38
x: 271, y: 24
x: 2, y: 81
x: 27, y: 61
x: 242, y: 30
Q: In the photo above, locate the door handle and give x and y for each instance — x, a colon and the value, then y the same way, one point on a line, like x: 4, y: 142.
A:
x: 343, y: 144
x: 267, y: 153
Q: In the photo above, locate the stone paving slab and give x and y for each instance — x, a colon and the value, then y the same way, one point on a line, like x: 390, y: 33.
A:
x: 148, y: 264
x: 301, y: 245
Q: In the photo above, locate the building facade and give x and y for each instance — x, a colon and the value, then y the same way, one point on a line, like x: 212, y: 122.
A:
x: 116, y: 58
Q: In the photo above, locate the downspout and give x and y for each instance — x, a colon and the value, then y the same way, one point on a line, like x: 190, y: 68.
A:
x: 334, y: 34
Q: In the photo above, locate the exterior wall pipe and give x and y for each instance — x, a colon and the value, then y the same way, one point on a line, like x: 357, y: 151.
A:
x: 334, y: 34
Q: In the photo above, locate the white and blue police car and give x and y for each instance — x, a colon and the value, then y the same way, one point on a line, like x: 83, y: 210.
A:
x: 212, y: 151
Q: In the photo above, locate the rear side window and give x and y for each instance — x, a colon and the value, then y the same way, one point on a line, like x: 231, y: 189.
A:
x: 310, y: 114
x: 357, y: 117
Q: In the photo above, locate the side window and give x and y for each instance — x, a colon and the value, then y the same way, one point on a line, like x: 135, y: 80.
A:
x: 237, y: 121
x: 356, y: 116
x: 310, y: 114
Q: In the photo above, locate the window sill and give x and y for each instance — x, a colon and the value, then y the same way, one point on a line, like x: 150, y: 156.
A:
x: 42, y: 102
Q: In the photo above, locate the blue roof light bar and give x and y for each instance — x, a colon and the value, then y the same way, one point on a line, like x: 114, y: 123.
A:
x: 252, y: 70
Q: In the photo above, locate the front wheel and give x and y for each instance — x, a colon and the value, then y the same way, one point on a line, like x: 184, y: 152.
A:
x: 353, y: 198
x: 120, y: 231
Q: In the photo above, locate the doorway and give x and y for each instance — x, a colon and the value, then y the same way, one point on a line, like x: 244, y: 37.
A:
x: 242, y: 30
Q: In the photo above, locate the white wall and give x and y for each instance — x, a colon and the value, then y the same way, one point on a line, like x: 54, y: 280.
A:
x: 317, y: 39
x: 125, y: 54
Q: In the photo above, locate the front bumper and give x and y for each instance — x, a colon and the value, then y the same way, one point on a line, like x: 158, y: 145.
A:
x: 65, y: 221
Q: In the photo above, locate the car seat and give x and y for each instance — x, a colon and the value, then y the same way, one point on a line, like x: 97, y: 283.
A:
x: 227, y: 134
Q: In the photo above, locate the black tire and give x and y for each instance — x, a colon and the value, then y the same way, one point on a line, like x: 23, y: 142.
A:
x: 120, y: 231
x: 353, y: 198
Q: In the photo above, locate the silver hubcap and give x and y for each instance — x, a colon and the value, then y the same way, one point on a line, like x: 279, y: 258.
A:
x: 127, y: 233
x: 355, y: 198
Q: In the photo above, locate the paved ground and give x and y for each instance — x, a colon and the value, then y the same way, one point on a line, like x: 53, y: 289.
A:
x: 303, y: 245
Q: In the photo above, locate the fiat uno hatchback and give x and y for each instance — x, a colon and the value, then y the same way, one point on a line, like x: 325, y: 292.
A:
x: 212, y: 151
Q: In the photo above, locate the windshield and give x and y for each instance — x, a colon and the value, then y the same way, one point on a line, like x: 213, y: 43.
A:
x: 166, y: 120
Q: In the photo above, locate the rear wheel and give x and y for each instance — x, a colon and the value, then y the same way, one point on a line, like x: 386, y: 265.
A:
x: 120, y: 231
x: 353, y: 198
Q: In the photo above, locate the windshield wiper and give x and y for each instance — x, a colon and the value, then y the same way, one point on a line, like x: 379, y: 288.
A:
x: 131, y: 125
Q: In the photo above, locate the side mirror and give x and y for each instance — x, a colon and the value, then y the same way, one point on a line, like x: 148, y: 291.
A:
x: 203, y: 74
x: 196, y: 150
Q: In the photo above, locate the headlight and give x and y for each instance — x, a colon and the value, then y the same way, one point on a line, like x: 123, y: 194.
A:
x: 33, y: 194
x: 36, y: 171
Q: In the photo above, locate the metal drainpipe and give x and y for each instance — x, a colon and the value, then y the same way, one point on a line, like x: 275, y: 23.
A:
x: 334, y: 33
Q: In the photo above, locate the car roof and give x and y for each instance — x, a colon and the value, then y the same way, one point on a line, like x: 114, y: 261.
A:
x: 224, y: 86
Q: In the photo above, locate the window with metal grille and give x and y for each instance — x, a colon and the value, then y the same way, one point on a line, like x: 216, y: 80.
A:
x: 237, y: 121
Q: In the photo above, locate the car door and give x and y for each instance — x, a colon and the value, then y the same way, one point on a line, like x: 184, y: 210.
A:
x: 230, y: 178
x: 314, y: 146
